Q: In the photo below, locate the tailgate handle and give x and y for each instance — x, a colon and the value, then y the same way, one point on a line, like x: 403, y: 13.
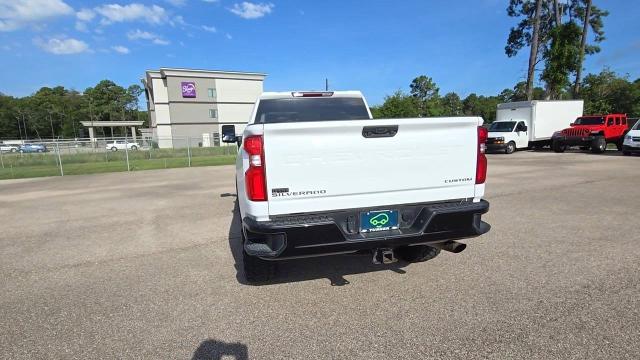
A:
x: 379, y: 131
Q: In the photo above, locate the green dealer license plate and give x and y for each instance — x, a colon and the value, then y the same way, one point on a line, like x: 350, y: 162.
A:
x: 380, y: 220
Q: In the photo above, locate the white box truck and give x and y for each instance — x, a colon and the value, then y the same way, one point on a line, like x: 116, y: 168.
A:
x: 524, y: 124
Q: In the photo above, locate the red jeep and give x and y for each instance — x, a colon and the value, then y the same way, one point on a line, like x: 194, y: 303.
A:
x: 592, y: 132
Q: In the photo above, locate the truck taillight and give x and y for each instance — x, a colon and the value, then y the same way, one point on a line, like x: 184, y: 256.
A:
x: 481, y: 165
x: 254, y: 178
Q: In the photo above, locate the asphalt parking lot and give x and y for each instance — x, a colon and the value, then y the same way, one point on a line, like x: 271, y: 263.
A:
x: 144, y: 265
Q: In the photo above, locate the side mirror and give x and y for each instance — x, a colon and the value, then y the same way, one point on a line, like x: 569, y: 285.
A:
x: 229, y: 134
x: 572, y: 124
x: 525, y: 128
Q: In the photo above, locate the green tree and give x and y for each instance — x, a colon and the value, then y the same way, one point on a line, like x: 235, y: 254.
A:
x: 427, y: 94
x: 607, y: 92
x: 451, y: 104
x: 398, y: 105
x: 536, y: 22
x: 562, y: 59
x: 591, y: 17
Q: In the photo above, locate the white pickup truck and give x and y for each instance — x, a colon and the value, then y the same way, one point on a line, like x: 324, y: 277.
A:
x: 316, y: 175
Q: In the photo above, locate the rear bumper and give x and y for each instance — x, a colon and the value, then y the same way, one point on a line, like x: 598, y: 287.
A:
x: 338, y: 232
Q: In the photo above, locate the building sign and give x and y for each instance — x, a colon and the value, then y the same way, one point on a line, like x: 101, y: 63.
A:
x: 188, y: 89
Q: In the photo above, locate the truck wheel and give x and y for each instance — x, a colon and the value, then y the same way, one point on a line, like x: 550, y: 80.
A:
x: 558, y: 147
x: 256, y: 270
x: 599, y: 145
x: 619, y: 144
x: 511, y: 148
x: 417, y: 253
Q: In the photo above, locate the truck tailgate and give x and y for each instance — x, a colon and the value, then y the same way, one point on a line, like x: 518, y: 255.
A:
x: 328, y: 165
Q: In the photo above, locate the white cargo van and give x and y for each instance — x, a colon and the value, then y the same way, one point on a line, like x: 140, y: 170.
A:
x: 524, y: 124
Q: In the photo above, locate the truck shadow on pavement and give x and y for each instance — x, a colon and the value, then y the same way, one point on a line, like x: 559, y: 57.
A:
x: 333, y: 268
x: 212, y: 349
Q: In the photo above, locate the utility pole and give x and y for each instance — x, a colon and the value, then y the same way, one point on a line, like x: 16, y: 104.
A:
x: 19, y: 127
x: 51, y: 123
x: 326, y: 84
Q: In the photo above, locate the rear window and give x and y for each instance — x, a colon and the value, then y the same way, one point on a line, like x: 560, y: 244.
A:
x: 311, y: 109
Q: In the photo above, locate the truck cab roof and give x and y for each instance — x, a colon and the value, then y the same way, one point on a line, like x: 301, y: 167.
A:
x: 310, y: 93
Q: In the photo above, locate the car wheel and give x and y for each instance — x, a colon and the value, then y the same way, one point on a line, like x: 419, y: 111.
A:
x: 39, y: 150
x: 511, y: 148
x: 21, y: 151
x: 134, y: 148
x: 14, y: 150
x: 619, y: 144
x: 558, y: 146
x: 256, y: 270
x: 114, y: 149
x: 417, y: 253
x: 599, y: 145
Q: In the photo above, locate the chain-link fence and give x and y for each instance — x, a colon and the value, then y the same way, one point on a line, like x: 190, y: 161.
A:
x: 23, y: 159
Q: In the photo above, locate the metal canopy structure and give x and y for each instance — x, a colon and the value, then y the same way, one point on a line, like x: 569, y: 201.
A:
x: 91, y: 125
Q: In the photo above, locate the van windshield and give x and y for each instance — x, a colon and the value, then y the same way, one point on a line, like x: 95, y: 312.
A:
x: 637, y: 125
x: 311, y: 109
x: 591, y: 120
x: 502, y: 126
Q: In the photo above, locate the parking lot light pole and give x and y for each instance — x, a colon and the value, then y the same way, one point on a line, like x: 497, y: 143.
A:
x: 1, y: 159
x: 126, y: 149
x: 59, y: 159
x: 189, y: 149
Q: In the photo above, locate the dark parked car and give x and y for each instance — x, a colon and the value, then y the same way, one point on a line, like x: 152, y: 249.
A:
x: 31, y: 148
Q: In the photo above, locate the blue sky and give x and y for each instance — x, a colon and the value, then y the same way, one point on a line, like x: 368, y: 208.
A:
x: 375, y: 46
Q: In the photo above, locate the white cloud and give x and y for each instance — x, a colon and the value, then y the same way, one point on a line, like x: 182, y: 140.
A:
x: 120, y: 49
x: 81, y: 26
x: 62, y: 46
x: 228, y: 36
x: 176, y: 3
x: 178, y: 20
x: 15, y: 14
x: 249, y: 10
x: 85, y: 15
x: 211, y: 1
x: 160, y: 41
x: 113, y: 13
x: 145, y: 35
x: 211, y: 29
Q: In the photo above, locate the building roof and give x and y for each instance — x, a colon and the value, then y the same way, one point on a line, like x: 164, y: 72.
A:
x: 198, y: 73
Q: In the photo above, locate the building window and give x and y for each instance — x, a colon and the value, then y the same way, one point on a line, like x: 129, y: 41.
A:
x: 212, y: 93
x: 213, y: 113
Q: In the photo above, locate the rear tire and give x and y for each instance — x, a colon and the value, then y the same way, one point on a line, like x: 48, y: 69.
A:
x: 114, y: 149
x: 619, y: 144
x: 417, y: 253
x: 256, y: 270
x: 511, y: 148
x: 599, y: 145
x: 134, y: 148
x: 558, y: 146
